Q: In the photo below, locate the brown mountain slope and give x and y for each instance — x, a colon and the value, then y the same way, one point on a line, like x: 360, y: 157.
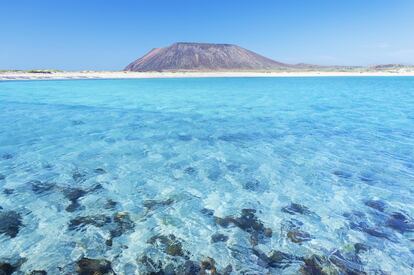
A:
x: 203, y: 57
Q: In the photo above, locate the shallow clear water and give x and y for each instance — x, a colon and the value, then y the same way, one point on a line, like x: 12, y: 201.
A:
x: 147, y: 173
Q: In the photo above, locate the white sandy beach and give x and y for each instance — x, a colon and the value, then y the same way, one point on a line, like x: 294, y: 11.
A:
x: 131, y: 75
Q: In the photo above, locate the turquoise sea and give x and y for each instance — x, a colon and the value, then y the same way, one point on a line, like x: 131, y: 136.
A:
x: 215, y: 175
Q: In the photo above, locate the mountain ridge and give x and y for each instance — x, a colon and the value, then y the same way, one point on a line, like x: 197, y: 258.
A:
x: 192, y: 56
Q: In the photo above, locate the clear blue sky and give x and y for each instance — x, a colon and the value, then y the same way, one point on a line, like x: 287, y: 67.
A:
x: 108, y: 34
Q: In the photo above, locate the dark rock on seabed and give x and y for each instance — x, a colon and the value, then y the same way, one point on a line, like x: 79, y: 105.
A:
x: 77, y: 122
x: 358, y: 221
x: 342, y: 174
x: 10, y: 223
x: 153, y: 204
x: 247, y: 222
x: 217, y: 237
x: 38, y: 272
x: 8, y: 191
x: 335, y: 263
x: 81, y: 222
x: 7, y: 156
x: 123, y: 223
x: 295, y: 208
x: 6, y: 269
x: 78, y: 176
x: 110, y: 204
x: 73, y: 195
x: 313, y: 265
x: 39, y: 187
x: 276, y: 259
x: 9, y: 267
x: 376, y: 204
x: 360, y: 247
x: 169, y: 245
x: 186, y: 267
x: 100, y: 171
x: 190, y: 170
x: 400, y: 222
x: 299, y: 236
x: 189, y: 267
x: 119, y: 224
x: 347, y: 263
x: 207, y: 212
x: 208, y: 264
x: 86, y: 266
x: 252, y: 185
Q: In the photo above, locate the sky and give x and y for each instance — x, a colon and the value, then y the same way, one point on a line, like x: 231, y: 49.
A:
x: 109, y: 34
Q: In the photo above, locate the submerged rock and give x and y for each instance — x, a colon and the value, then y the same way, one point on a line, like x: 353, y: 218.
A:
x: 176, y: 267
x: 151, y: 266
x: 73, y: 195
x: 10, y: 223
x: 38, y: 272
x: 39, y: 187
x: 47, y: 166
x: 227, y: 270
x: 276, y: 259
x: 208, y: 264
x: 100, y: 171
x: 77, y: 122
x: 123, y: 223
x: 342, y: 174
x: 314, y: 265
x: 78, y: 176
x: 6, y: 269
x: 87, y: 266
x: 189, y: 267
x: 184, y: 137
x: 360, y: 247
x: 359, y: 222
x: 154, y: 204
x: 349, y: 264
x: 376, y: 204
x: 110, y: 204
x: 367, y: 178
x: 400, y: 222
x: 217, y: 237
x: 207, y: 212
x: 168, y: 244
x: 295, y: 208
x: 376, y: 232
x: 81, y: 222
x: 298, y: 236
x: 336, y: 262
x: 174, y: 249
x: 190, y: 170
x: 247, y: 222
x: 252, y: 185
x: 7, y: 156
x: 119, y: 224
x: 8, y: 191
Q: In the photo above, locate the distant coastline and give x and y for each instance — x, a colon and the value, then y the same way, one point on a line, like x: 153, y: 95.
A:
x: 55, y: 75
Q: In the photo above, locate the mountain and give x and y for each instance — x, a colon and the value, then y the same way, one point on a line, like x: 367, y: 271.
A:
x: 203, y: 57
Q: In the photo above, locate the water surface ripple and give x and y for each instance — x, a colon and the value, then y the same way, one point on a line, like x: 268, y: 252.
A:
x: 227, y: 175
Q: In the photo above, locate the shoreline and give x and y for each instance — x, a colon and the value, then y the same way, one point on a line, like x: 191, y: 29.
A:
x: 4, y: 76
